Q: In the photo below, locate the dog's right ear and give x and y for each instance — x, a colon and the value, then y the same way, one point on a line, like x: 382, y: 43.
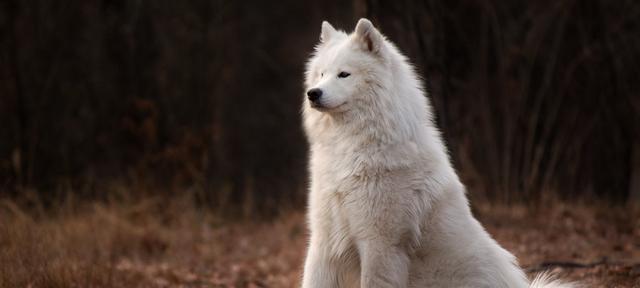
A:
x: 368, y: 36
x: 327, y: 32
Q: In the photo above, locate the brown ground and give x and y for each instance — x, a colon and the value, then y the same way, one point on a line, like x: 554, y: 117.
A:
x: 155, y: 243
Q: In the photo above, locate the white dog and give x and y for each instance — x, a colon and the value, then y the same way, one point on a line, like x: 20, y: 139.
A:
x: 386, y: 208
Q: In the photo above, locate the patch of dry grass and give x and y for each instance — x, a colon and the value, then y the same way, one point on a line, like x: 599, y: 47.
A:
x: 605, y: 239
x: 155, y: 242
x: 144, y: 243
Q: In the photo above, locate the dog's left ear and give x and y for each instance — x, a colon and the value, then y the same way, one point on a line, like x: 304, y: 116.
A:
x: 368, y: 36
x: 326, y: 32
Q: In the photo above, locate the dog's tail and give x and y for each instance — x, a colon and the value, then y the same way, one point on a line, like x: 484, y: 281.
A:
x: 547, y: 280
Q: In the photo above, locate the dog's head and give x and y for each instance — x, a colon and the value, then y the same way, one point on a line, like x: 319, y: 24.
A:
x: 345, y: 69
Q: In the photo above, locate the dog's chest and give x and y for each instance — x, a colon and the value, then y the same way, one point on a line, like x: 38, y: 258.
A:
x: 333, y: 212
x: 339, y: 182
x: 338, y: 192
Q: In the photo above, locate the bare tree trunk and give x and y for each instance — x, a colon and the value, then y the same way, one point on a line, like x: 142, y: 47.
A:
x: 21, y: 103
x: 634, y: 175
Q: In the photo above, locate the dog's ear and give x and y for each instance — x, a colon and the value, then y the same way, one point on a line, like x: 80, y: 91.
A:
x: 327, y: 32
x: 368, y: 36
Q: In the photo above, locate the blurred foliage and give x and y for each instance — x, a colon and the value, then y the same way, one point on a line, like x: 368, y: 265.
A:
x: 535, y: 98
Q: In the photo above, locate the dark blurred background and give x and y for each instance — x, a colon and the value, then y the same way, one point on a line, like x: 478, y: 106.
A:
x: 536, y: 99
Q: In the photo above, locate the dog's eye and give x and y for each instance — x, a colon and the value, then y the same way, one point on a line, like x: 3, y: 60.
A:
x: 343, y: 75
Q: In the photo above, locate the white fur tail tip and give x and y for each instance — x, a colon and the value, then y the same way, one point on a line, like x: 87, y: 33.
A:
x: 547, y: 280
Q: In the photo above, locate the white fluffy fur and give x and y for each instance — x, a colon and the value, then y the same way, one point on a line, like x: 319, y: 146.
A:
x: 386, y: 208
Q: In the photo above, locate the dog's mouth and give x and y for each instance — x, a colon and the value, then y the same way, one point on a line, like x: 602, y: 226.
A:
x: 318, y: 106
x: 322, y: 108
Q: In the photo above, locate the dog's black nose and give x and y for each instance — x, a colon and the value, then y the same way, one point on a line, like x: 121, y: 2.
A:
x: 314, y: 94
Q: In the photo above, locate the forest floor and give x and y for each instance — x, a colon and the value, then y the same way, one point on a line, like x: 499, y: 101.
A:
x: 156, y: 243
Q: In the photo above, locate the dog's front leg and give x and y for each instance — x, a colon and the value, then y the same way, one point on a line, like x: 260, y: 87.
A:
x: 383, y: 265
x: 319, y: 272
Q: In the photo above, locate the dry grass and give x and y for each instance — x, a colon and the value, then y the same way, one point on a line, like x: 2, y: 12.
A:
x: 608, y: 238
x: 169, y: 243
x: 144, y: 243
